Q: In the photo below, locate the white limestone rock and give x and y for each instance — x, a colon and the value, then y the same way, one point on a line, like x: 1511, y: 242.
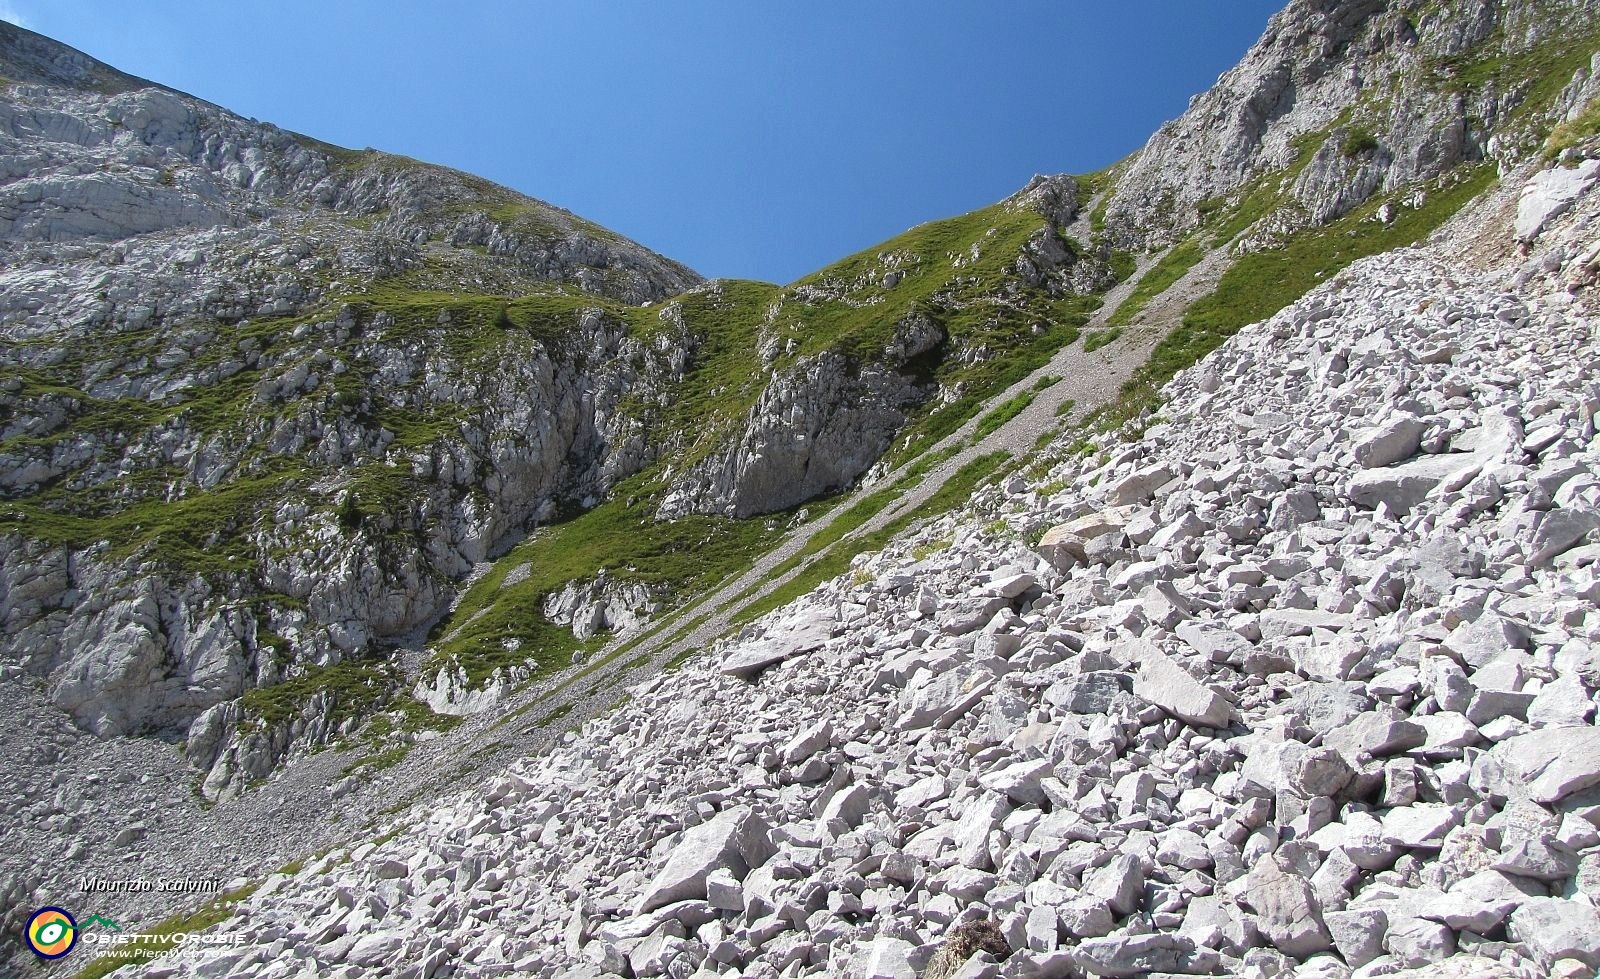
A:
x: 736, y: 840
x: 1163, y: 682
x: 1545, y: 765
x: 1550, y: 194
x: 1288, y: 912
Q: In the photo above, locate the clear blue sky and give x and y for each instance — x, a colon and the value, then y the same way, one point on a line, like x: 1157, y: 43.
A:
x: 746, y: 138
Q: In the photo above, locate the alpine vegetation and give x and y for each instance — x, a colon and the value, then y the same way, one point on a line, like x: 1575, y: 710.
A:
x: 1189, y: 568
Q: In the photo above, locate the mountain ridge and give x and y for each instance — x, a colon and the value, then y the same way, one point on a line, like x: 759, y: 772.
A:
x: 289, y: 497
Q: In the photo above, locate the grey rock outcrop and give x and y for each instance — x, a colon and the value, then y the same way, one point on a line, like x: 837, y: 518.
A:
x: 814, y: 430
x: 1347, y: 100
x: 1290, y: 693
x: 598, y: 606
x: 202, y: 292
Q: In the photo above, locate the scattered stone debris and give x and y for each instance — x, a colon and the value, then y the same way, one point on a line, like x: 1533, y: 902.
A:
x: 1303, y: 683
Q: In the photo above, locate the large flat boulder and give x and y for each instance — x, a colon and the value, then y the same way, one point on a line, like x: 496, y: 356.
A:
x: 1550, y: 194
x: 1546, y: 765
x: 1404, y: 486
x: 735, y: 840
x: 940, y: 702
x: 750, y: 659
x: 1169, y: 686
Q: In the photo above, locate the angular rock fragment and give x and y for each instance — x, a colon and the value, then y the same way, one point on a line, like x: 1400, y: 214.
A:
x: 883, y: 958
x: 736, y: 840
x: 1289, y: 914
x: 1141, y: 484
x: 1358, y: 934
x: 808, y: 742
x: 1169, y: 686
x: 1090, y: 693
x: 1376, y: 734
x: 1135, y: 955
x: 1558, y: 531
x: 1394, y: 441
x: 1418, y: 941
x: 1550, y: 194
x: 1402, y: 487
x: 1554, y: 928
x: 941, y: 701
x: 1120, y: 884
x: 1421, y: 826
x: 748, y: 660
x: 1545, y: 765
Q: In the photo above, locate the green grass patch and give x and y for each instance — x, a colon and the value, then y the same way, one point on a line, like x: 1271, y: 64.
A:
x: 1171, y: 267
x: 1011, y: 408
x: 1228, y: 217
x: 1025, y: 352
x: 354, y: 688
x: 846, y: 522
x: 554, y: 716
x: 725, y: 375
x: 1358, y: 141
x: 475, y: 328
x: 406, y: 716
x: 1568, y: 133
x: 927, y: 462
x: 954, y: 273
x: 975, y: 248
x: 1542, y: 71
x: 1099, y: 338
x: 1262, y: 283
x: 206, y: 532
x: 379, y: 760
x: 1101, y: 183
x: 503, y: 625
x: 957, y: 490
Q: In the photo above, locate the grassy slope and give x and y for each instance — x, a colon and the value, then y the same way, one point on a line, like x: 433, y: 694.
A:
x: 955, y: 272
x: 675, y: 559
x: 1259, y: 284
x: 836, y: 557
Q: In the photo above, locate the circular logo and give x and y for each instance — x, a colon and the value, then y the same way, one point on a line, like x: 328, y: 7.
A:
x: 51, y: 933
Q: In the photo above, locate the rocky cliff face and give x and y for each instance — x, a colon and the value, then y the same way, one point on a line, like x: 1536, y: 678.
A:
x: 823, y: 419
x: 237, y: 439
x: 313, y: 528
x: 814, y: 429
x: 1300, y: 683
x: 267, y: 401
x: 1345, y: 100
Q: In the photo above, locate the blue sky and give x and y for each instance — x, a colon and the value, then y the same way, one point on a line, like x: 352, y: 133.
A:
x: 746, y: 138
